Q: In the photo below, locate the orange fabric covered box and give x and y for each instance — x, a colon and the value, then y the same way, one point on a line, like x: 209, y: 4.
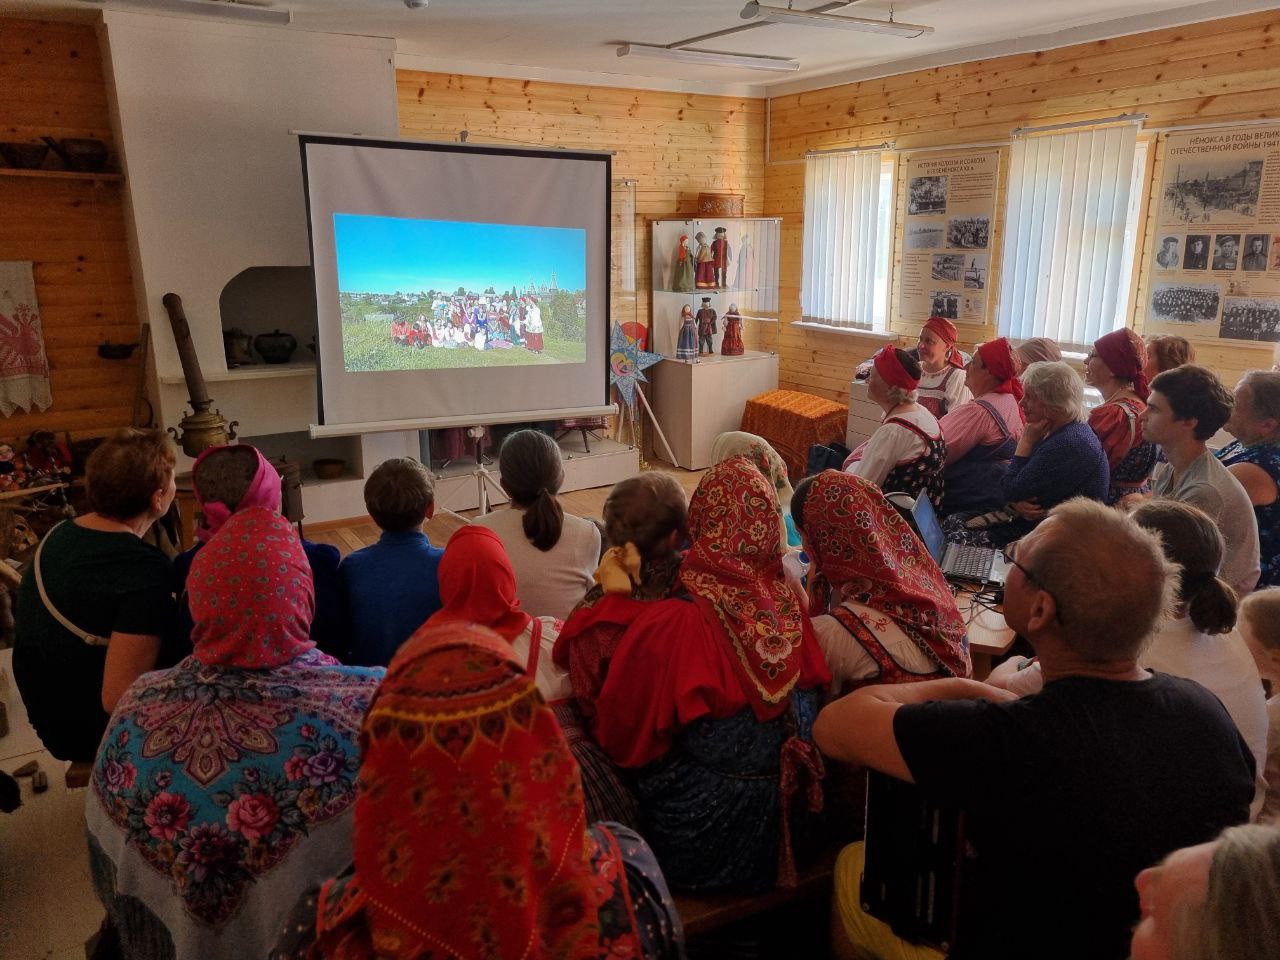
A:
x: 792, y: 422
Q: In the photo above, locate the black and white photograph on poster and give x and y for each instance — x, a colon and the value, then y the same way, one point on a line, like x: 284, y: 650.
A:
x: 1275, y: 253
x: 1226, y: 251
x: 926, y: 195
x: 946, y: 303
x: 975, y: 274
x: 924, y: 236
x: 969, y: 233
x: 1197, y: 253
x: 1212, y: 190
x: 947, y: 266
x: 1170, y: 255
x: 1185, y: 303
x: 1256, y: 247
x: 1250, y: 318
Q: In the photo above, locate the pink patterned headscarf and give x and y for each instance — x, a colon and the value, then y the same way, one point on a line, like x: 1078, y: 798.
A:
x: 264, y: 491
x: 251, y: 593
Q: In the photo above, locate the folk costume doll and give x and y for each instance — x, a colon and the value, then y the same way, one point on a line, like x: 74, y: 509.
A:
x: 705, y: 274
x: 706, y: 327
x: 721, y: 254
x: 746, y: 265
x: 731, y: 344
x: 682, y: 276
x: 687, y: 342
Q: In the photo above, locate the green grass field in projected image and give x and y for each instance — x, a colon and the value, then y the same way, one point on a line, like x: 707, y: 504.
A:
x: 367, y: 347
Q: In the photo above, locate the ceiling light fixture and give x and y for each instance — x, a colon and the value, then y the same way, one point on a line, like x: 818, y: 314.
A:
x: 712, y: 57
x: 757, y: 11
x: 215, y: 9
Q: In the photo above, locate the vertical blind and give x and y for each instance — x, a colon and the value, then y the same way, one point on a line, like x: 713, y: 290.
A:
x: 841, y: 210
x: 1062, y: 274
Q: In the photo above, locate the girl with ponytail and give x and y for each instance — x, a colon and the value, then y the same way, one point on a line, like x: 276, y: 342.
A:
x: 1199, y: 640
x: 553, y: 553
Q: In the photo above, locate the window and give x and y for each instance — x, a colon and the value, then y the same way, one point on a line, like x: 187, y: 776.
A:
x: 1070, y: 232
x: 848, y: 226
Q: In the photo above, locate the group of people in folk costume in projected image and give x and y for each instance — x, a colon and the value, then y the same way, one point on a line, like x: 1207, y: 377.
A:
x: 475, y: 321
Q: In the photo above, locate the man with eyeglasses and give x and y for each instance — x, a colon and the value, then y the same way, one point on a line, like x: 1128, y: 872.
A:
x: 1067, y: 794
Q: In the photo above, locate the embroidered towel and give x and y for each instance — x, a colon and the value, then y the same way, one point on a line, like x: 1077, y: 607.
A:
x: 24, y: 369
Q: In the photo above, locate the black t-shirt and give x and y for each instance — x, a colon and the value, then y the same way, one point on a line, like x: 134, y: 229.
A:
x: 1068, y: 794
x: 102, y: 583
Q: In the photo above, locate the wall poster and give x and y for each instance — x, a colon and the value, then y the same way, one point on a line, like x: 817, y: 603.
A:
x: 1215, y: 256
x: 946, y: 236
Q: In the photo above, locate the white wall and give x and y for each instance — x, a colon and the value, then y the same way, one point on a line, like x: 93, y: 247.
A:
x: 203, y: 112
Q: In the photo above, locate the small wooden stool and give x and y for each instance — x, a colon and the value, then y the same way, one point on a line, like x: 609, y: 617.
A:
x: 792, y: 422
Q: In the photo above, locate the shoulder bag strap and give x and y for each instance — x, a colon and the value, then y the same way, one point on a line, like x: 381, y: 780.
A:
x: 91, y: 639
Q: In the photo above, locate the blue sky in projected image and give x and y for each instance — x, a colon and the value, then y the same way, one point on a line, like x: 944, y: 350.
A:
x: 386, y: 254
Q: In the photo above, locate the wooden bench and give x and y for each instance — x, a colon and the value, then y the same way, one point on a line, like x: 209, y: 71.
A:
x: 701, y: 915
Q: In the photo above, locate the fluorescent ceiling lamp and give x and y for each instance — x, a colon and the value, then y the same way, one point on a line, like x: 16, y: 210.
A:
x: 757, y: 11
x: 684, y: 55
x: 217, y: 9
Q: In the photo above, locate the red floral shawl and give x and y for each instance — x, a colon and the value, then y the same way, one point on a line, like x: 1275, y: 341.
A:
x: 478, y: 584
x: 863, y: 551
x: 734, y: 573
x: 251, y: 593
x: 470, y: 838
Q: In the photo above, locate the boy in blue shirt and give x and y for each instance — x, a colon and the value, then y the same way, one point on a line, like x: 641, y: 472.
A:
x: 392, y: 586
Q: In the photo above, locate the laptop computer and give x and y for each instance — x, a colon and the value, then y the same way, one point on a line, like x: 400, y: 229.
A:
x: 959, y: 561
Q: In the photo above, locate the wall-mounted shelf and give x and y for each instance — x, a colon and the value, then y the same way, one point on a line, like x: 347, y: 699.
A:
x: 259, y: 371
x: 62, y: 175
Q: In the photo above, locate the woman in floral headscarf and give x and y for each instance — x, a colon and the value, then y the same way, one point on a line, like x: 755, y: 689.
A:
x: 735, y: 443
x: 470, y: 834
x: 710, y: 698
x: 224, y: 785
x: 881, y: 608
x: 1115, y: 369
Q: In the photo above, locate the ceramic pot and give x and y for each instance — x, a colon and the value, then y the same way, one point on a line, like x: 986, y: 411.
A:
x: 276, y: 347
x: 24, y: 156
x: 238, y: 346
x: 82, y: 154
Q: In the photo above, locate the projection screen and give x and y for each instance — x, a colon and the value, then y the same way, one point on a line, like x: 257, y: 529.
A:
x: 456, y: 281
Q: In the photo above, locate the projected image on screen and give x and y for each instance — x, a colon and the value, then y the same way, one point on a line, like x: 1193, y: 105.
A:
x: 443, y: 294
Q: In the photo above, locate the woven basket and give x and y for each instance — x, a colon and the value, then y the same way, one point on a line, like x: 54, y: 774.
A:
x: 721, y: 204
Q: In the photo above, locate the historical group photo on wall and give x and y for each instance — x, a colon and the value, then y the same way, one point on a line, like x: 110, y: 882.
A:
x: 441, y: 294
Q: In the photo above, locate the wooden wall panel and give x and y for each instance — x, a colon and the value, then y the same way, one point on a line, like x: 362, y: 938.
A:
x: 1216, y: 71
x: 52, y: 83
x: 674, y: 145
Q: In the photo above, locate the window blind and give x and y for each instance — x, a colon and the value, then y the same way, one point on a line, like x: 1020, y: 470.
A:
x: 841, y: 217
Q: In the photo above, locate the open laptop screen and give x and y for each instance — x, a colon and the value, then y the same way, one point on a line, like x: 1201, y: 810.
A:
x: 930, y: 530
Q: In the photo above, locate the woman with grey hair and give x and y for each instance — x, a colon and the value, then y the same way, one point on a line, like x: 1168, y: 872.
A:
x: 1215, y: 901
x: 1058, y: 457
x: 1254, y: 459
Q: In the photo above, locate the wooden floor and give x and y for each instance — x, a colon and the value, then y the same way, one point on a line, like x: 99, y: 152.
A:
x: 348, y: 535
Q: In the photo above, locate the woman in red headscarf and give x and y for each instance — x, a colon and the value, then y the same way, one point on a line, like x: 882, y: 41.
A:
x: 907, y: 452
x: 470, y: 835
x: 881, y: 608
x: 1115, y: 369
x: 982, y: 434
x: 942, y: 382
x: 710, y: 697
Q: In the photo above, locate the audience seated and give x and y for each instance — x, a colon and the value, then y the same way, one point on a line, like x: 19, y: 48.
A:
x: 392, y: 586
x: 1164, y: 352
x: 709, y: 698
x: 224, y: 785
x: 1035, y: 350
x: 96, y: 605
x: 1214, y: 901
x: 1115, y: 369
x: 1259, y: 625
x: 1058, y: 457
x: 469, y: 834
x: 907, y: 452
x: 982, y: 434
x: 1254, y: 459
x: 1187, y: 406
x: 881, y: 609
x: 553, y: 553
x: 942, y: 381
x: 235, y: 477
x: 1069, y: 793
x: 735, y: 443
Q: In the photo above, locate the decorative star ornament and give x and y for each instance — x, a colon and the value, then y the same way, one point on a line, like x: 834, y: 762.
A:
x: 627, y: 363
